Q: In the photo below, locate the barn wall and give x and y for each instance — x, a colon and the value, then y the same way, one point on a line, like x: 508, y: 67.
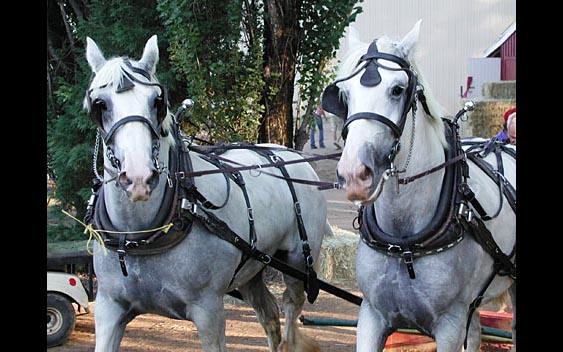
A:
x: 508, y: 56
x: 451, y: 32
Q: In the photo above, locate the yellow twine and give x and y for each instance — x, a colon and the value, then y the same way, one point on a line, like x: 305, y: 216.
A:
x: 93, y: 233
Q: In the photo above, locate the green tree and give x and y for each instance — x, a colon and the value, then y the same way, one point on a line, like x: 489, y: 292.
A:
x: 68, y: 129
x: 240, y: 59
x: 304, y: 35
x: 216, y: 46
x: 323, y: 24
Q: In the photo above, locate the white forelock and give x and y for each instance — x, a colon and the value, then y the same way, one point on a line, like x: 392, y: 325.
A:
x: 110, y: 76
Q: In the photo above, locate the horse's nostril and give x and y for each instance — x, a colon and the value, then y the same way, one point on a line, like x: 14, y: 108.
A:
x: 365, y: 173
x: 341, y: 180
x: 152, y: 181
x: 124, y: 181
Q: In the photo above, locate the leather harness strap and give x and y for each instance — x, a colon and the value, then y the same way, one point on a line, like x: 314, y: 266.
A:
x: 311, y: 284
x: 223, y: 231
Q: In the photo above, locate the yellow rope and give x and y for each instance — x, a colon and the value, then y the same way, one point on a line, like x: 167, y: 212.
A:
x: 93, y: 233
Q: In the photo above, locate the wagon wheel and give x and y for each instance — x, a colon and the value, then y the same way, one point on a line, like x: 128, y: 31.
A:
x: 61, y: 319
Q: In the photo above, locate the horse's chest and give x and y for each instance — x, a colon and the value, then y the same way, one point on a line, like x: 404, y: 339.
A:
x: 385, y: 283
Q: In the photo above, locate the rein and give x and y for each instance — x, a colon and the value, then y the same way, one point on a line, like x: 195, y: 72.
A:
x: 322, y: 185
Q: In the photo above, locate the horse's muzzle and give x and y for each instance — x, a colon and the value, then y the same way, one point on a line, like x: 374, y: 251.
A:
x: 359, y: 184
x: 138, y: 188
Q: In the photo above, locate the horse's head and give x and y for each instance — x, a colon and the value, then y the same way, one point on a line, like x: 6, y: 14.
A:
x: 129, y: 107
x: 374, y: 93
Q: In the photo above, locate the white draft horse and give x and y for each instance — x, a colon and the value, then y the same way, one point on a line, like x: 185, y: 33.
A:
x: 186, y: 278
x: 420, y: 264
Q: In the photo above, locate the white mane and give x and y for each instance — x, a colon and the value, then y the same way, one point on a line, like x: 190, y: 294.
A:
x: 385, y: 44
x: 111, y: 75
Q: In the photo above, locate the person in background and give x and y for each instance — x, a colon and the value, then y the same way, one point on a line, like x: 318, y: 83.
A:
x: 319, y: 115
x: 511, y: 128
x: 337, y: 131
x: 508, y: 133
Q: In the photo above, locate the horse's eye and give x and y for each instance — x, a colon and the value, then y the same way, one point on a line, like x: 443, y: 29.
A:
x: 397, y: 90
x: 100, y: 104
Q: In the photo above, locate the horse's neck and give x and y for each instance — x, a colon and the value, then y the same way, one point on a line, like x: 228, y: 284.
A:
x: 134, y: 216
x: 410, y: 210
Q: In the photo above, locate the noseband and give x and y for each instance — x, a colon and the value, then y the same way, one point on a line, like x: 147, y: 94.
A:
x: 126, y: 84
x: 331, y: 101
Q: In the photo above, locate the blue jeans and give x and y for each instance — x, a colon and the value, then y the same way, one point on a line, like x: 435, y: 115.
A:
x: 312, y: 132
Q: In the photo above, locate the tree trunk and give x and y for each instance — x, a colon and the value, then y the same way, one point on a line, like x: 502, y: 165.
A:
x: 302, y: 129
x: 281, y: 48
x: 302, y: 132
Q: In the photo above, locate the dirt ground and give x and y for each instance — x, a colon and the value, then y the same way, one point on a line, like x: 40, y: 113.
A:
x: 243, y: 332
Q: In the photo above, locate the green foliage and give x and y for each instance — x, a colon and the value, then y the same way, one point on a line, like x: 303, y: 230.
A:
x: 216, y: 46
x: 122, y: 28
x: 60, y: 227
x: 324, y: 23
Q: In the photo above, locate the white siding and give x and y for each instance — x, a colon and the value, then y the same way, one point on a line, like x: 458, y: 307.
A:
x: 452, y: 31
x: 486, y: 69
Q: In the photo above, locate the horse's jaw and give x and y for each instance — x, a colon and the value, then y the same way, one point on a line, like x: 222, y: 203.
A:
x: 126, y: 213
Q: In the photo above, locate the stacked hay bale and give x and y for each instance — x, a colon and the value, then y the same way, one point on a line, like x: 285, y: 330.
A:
x: 337, y: 260
x: 487, y: 118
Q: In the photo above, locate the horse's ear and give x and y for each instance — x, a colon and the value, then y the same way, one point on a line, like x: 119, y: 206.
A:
x: 150, y: 55
x: 408, y: 43
x: 94, y: 55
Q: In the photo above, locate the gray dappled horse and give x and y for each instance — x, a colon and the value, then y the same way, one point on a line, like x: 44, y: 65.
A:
x: 164, y: 272
x: 419, y: 264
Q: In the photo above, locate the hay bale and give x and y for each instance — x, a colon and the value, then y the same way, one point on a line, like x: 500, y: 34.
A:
x: 487, y: 118
x: 499, y: 90
x: 337, y: 260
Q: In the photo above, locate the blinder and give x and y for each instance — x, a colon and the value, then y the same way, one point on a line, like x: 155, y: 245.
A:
x: 332, y: 101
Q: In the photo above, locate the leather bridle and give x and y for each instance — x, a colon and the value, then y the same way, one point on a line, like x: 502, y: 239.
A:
x: 128, y: 82
x: 371, y: 77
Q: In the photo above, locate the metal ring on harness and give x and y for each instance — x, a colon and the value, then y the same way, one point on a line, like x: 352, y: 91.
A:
x: 257, y: 169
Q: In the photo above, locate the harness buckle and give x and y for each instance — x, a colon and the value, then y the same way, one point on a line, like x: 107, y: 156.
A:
x: 131, y: 244
x: 465, y: 211
x: 250, y: 214
x: 266, y: 259
x: 309, y: 261
x: 306, y: 247
x: 407, y: 257
x: 297, y: 208
x: 169, y: 180
x: 275, y: 158
x: 464, y: 189
x: 189, y: 206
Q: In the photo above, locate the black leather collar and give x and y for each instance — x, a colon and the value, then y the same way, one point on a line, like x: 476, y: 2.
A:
x: 153, y: 242
x: 442, y: 232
